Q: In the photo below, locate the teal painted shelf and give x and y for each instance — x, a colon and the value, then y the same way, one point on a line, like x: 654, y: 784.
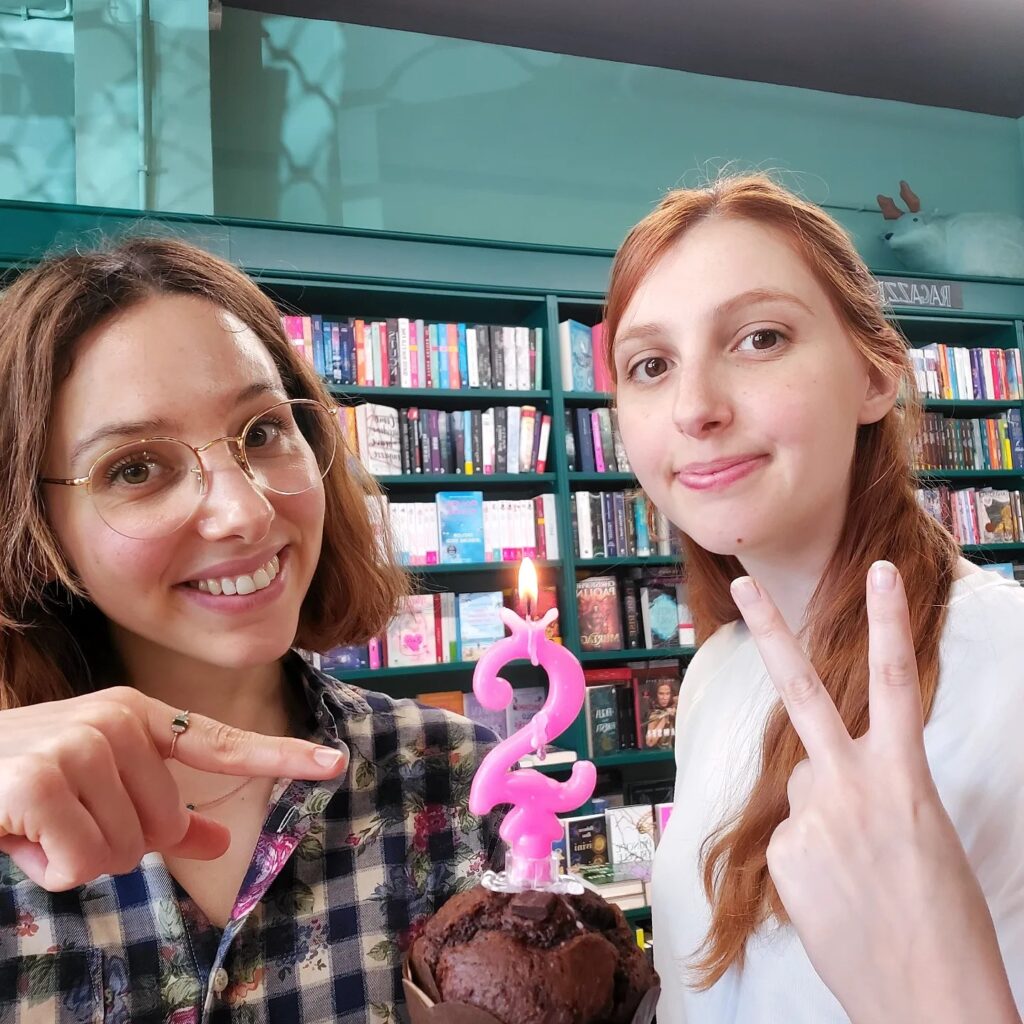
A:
x: 638, y: 654
x: 957, y: 404
x: 441, y: 396
x: 629, y: 757
x: 601, y: 478
x: 970, y: 474
x: 624, y: 562
x: 587, y: 398
x: 448, y: 668
x: 1007, y: 547
x: 461, y: 567
x: 472, y: 481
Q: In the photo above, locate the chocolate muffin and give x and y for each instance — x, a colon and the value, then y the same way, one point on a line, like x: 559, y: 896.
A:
x: 533, y: 958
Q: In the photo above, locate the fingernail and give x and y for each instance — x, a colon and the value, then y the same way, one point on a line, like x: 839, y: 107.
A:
x: 327, y: 757
x: 744, y: 591
x: 883, y: 576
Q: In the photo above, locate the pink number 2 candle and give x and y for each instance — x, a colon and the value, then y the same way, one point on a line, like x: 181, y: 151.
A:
x: 531, y: 827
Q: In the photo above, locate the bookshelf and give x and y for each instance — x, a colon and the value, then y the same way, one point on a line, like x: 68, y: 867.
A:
x: 339, y: 273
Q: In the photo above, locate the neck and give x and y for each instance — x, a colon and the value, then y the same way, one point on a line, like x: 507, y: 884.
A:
x: 791, y: 577
x: 253, y: 697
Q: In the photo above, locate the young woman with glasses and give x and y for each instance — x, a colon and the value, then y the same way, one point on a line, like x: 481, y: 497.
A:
x: 195, y: 825
x: 853, y: 850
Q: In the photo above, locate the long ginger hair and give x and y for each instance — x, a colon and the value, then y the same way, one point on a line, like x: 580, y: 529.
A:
x: 51, y: 635
x: 883, y: 521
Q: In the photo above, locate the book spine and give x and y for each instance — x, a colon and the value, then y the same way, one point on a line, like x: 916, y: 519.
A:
x: 463, y: 355
x: 454, y: 379
x: 550, y: 526
x: 584, y: 441
x: 497, y: 358
x: 483, y: 354
x: 543, y: 441
x: 478, y: 441
x: 472, y: 358
x: 527, y: 430
x: 595, y: 433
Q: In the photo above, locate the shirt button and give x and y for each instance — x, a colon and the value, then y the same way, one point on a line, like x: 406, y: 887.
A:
x: 220, y: 980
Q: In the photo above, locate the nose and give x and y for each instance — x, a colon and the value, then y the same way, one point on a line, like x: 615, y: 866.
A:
x: 233, y: 506
x: 701, y: 404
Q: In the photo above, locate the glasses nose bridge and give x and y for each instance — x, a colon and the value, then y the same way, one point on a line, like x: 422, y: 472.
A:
x: 234, y: 444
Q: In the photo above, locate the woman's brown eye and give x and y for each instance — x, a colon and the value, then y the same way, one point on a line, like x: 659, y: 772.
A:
x: 648, y: 369
x: 762, y: 340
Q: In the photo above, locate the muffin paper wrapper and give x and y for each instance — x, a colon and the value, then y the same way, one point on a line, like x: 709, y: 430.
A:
x: 423, y: 1009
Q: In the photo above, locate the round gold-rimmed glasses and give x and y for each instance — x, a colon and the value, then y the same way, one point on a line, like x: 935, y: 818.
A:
x: 151, y: 487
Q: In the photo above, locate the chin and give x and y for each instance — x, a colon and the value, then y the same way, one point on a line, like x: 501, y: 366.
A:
x: 245, y: 652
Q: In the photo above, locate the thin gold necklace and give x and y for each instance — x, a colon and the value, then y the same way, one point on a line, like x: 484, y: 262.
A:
x: 220, y: 799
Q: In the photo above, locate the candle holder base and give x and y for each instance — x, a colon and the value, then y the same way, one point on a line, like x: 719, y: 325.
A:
x: 544, y: 878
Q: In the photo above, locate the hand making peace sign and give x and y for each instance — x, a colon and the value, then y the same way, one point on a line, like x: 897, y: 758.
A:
x: 868, y: 864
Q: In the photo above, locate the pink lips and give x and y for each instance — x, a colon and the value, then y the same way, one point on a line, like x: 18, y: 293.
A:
x: 719, y: 474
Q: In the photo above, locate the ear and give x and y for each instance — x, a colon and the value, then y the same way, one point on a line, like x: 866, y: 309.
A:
x: 879, y: 397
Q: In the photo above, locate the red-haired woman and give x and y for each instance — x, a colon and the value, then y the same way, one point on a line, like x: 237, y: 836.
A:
x: 852, y: 851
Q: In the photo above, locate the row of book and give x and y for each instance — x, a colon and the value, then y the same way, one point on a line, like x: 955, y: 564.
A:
x: 645, y: 608
x: 995, y: 442
x: 976, y: 515
x: 968, y: 374
x: 581, y: 357
x: 632, y: 707
x: 618, y: 524
x: 617, y: 835
x: 503, y: 439
x: 460, y: 527
x: 593, y: 441
x: 411, y: 353
x: 434, y: 629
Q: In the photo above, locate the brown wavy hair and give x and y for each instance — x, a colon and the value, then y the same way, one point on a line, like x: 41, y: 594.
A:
x: 49, y: 630
x: 883, y: 521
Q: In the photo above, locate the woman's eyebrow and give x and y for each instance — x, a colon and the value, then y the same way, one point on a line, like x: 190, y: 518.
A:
x: 753, y: 296
x: 130, y: 429
x: 641, y: 332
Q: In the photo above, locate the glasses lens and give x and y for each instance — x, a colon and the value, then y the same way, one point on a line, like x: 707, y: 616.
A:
x: 146, y: 489
x: 290, y: 447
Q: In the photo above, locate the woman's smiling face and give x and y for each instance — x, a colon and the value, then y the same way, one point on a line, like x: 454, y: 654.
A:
x: 179, y: 366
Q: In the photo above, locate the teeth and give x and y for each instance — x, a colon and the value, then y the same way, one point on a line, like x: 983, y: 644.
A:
x: 241, y: 585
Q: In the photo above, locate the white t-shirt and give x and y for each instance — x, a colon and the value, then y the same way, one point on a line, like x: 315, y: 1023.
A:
x: 975, y: 746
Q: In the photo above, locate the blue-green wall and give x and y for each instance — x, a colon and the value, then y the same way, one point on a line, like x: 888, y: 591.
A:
x: 37, y: 109
x: 316, y: 121
x: 347, y: 125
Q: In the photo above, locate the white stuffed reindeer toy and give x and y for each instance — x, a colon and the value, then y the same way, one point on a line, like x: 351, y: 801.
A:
x: 958, y: 244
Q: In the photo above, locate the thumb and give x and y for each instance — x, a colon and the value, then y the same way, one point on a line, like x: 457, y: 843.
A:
x: 205, y: 839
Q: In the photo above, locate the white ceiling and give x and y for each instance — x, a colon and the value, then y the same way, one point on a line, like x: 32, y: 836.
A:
x: 964, y: 54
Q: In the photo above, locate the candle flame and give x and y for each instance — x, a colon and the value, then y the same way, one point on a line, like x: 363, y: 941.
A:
x: 528, y: 585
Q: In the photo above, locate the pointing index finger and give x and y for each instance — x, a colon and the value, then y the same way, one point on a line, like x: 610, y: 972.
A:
x: 212, y: 746
x: 807, y: 702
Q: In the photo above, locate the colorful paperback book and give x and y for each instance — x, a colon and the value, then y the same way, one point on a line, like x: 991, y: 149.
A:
x: 659, y: 602
x: 496, y: 721
x: 480, y: 624
x: 353, y: 657
x: 460, y: 525
x: 602, y: 720
x: 657, y: 699
x: 586, y: 840
x: 631, y: 833
x: 995, y: 516
x: 448, y: 700
x: 600, y: 617
x: 526, y: 703
x: 411, y: 633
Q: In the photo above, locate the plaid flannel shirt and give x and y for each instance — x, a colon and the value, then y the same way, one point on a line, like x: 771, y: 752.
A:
x: 344, y: 874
